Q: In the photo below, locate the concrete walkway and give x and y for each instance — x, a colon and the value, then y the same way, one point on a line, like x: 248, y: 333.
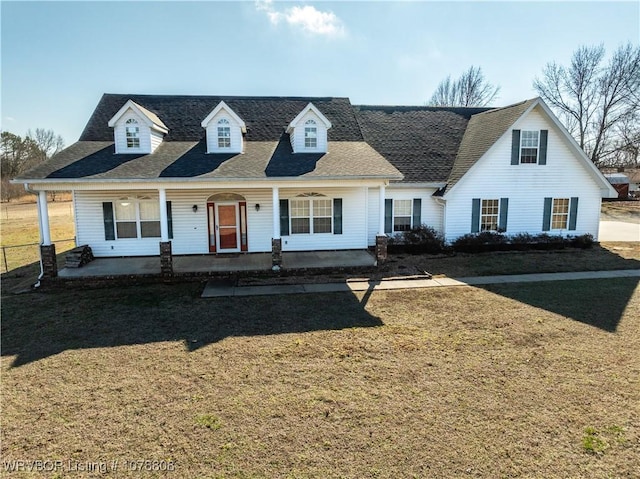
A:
x: 217, y: 289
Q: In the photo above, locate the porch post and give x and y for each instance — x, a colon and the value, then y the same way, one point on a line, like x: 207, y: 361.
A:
x: 43, y: 213
x: 276, y: 241
x: 164, y: 225
x: 381, y: 211
x: 276, y: 213
x: 166, y: 257
x: 381, y: 238
x: 47, y: 249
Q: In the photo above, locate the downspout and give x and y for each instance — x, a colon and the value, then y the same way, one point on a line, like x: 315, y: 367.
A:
x: 441, y: 202
x: 29, y: 190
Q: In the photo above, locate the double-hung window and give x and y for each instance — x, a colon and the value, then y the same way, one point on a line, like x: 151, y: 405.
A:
x: 529, y: 146
x: 311, y: 216
x: 137, y: 218
x: 224, y: 133
x: 132, y: 133
x: 489, y: 215
x: 560, y: 214
x: 402, y: 215
x: 310, y: 134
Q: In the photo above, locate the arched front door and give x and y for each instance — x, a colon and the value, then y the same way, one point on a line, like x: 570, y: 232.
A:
x: 227, y: 223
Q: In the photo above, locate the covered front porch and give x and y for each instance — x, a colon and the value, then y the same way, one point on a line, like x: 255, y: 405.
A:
x: 203, y: 265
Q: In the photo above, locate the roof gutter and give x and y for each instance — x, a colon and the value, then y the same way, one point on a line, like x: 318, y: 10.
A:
x: 202, y: 180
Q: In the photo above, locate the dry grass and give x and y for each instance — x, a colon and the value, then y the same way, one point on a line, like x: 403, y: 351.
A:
x: 508, y: 381
x: 19, y: 226
x: 606, y: 256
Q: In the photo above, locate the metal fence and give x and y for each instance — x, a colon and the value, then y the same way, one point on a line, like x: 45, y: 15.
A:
x: 16, y: 256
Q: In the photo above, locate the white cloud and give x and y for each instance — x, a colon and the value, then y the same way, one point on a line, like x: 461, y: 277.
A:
x: 9, y: 118
x: 307, y: 18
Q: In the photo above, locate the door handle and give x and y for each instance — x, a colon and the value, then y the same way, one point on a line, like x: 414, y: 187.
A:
x: 217, y: 228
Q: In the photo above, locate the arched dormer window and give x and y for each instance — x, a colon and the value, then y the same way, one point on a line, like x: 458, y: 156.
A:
x: 133, y: 133
x: 224, y: 133
x: 310, y: 134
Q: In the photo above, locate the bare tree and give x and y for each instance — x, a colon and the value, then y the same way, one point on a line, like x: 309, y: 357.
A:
x: 471, y: 89
x: 18, y: 154
x: 47, y: 141
x: 597, y: 101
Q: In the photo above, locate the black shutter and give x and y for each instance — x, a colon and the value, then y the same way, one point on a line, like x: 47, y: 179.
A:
x: 504, y: 211
x: 388, y: 216
x: 542, y: 155
x: 337, y: 216
x: 417, y: 213
x: 169, y: 220
x: 284, y: 217
x: 475, y: 215
x: 546, y: 217
x: 515, y: 147
x: 573, y: 213
x: 109, y: 226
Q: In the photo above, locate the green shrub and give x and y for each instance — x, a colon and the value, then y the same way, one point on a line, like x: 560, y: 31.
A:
x: 480, y: 242
x: 494, y: 241
x: 582, y: 241
x: 418, y: 240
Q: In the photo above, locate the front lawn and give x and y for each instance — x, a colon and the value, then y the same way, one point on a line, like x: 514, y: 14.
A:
x: 536, y: 380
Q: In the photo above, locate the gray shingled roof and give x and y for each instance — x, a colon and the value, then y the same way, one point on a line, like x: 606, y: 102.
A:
x: 267, y: 148
x: 265, y: 117
x: 95, y: 160
x: 483, y: 130
x: 422, y: 142
x: 412, y: 144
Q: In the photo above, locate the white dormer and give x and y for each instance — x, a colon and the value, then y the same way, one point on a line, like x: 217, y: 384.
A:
x: 136, y: 129
x: 308, y: 131
x: 224, y: 130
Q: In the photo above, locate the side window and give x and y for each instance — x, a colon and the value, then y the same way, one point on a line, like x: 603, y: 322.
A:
x: 402, y: 215
x: 489, y: 215
x: 560, y: 214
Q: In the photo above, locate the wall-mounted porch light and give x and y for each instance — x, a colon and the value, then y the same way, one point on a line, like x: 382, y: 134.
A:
x: 257, y: 206
x: 195, y: 208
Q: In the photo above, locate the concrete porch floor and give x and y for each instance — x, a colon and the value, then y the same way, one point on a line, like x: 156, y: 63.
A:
x: 150, y: 265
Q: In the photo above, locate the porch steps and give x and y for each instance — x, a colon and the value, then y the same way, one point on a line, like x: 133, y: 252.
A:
x: 78, y: 257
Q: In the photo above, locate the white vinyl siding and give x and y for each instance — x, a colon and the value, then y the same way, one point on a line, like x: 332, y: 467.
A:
x: 156, y: 140
x: 431, y: 214
x: 564, y: 176
x: 90, y: 225
x: 353, y: 221
x: 190, y: 231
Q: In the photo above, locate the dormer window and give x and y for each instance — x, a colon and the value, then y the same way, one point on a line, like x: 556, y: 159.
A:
x: 310, y: 134
x: 224, y: 130
x: 224, y: 133
x: 133, y: 133
x: 308, y: 131
x: 136, y: 130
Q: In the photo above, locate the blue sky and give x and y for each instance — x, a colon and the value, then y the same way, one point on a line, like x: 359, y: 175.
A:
x: 58, y: 58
